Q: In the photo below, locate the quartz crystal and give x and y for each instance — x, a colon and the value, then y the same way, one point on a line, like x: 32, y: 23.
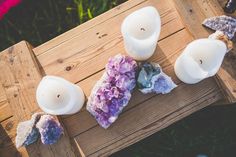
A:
x: 49, y: 129
x: 113, y: 91
x: 223, y: 23
x: 27, y: 132
x: 151, y: 78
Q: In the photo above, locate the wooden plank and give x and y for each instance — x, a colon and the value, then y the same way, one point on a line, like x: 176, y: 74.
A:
x: 3, y: 96
x: 19, y: 78
x: 157, y: 126
x: 86, y: 26
x: 193, y: 13
x: 7, y: 136
x: 87, y: 53
x: 165, y: 55
x: 5, y: 111
x: 152, y: 110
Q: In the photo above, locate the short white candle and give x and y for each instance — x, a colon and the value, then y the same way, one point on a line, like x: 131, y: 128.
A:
x: 201, y: 59
x: 141, y: 30
x: 58, y: 96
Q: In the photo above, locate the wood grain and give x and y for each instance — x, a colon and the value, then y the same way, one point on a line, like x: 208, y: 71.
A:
x: 86, y: 26
x: 165, y: 55
x: 87, y: 53
x: 152, y: 110
x: 193, y: 13
x: 5, y: 111
x: 19, y: 77
x: 80, y: 55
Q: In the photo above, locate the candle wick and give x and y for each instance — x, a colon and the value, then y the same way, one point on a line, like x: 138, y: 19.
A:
x: 58, y: 95
x: 200, y: 61
x: 142, y: 29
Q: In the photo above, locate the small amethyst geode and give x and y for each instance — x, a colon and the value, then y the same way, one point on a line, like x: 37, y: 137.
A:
x: 113, y: 91
x: 151, y: 78
x: 49, y: 129
x: 223, y: 23
x: 40, y: 124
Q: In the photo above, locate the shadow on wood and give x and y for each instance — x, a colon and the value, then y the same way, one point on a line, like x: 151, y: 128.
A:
x: 7, y: 147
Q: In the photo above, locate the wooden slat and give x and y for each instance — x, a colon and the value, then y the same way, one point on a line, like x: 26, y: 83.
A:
x: 86, y: 26
x: 193, y: 13
x: 19, y: 78
x: 5, y: 111
x: 165, y: 55
x: 87, y: 53
x: 3, y: 96
x: 135, y: 121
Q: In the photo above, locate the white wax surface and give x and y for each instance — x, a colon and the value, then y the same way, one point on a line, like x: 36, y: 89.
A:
x: 201, y: 59
x: 140, y: 31
x: 58, y: 96
x: 55, y: 95
x: 141, y: 27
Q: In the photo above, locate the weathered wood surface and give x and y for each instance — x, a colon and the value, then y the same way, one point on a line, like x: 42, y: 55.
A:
x: 80, y: 55
x: 19, y: 78
x: 192, y: 14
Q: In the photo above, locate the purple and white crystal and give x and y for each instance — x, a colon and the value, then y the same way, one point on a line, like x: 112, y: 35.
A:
x: 49, y: 129
x: 113, y: 91
x: 151, y: 78
x: 223, y: 23
x: 26, y: 132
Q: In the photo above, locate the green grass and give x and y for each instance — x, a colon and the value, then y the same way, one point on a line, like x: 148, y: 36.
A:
x: 38, y: 21
x: 211, y: 131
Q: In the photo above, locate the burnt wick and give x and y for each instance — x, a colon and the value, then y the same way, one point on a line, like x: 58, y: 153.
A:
x: 142, y: 29
x: 200, y: 61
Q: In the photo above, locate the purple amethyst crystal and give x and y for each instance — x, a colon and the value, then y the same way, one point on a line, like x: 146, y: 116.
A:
x: 49, y: 129
x: 113, y: 91
x: 223, y: 23
x: 152, y: 79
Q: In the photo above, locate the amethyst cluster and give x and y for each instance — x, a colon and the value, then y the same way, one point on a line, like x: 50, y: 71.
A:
x: 42, y: 125
x: 223, y: 23
x: 113, y: 91
x: 49, y: 129
x: 151, y: 78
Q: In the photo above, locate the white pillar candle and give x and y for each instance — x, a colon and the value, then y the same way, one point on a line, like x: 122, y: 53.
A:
x: 141, y: 30
x: 58, y: 96
x: 201, y: 59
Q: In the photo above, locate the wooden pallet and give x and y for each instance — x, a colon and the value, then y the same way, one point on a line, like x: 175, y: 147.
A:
x: 80, y: 55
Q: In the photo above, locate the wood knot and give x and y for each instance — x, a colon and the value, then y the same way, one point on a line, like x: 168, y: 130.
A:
x: 68, y: 68
x: 10, y: 49
x: 11, y: 60
x: 60, y: 60
x: 9, y: 126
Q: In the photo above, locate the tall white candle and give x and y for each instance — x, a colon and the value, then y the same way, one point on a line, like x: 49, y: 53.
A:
x: 58, y: 96
x: 201, y: 59
x: 141, y: 30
